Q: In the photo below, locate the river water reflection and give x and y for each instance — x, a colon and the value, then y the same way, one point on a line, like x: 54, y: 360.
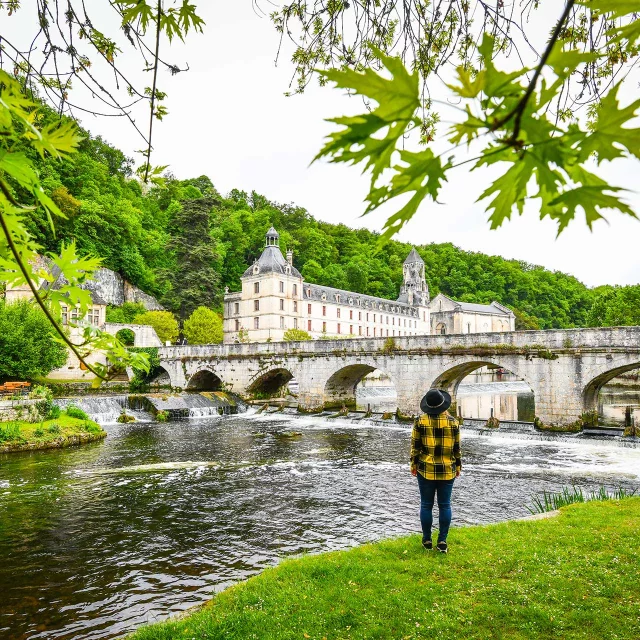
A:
x: 98, y: 540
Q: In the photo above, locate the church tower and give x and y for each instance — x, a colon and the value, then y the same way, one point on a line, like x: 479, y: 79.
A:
x: 414, y: 289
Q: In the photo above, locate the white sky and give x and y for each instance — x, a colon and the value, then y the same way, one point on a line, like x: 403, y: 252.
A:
x: 229, y: 119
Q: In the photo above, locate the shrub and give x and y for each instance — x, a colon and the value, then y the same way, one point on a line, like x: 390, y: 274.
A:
x: 54, y: 427
x: 163, y: 322
x: 203, y: 326
x: 76, y: 412
x: 127, y: 337
x: 54, y: 412
x: 126, y: 313
x: 162, y: 416
x: 44, y: 405
x: 9, y: 431
x: 295, y: 335
x: 39, y: 432
x: 28, y: 349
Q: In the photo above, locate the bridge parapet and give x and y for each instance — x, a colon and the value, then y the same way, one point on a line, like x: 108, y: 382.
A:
x: 564, y: 339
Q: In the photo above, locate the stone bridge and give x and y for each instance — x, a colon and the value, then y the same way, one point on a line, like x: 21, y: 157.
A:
x: 564, y: 368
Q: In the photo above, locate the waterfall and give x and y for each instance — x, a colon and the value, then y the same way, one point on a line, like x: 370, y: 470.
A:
x: 103, y: 410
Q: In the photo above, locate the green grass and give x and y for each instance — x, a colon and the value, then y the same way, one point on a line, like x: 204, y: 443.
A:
x: 18, y: 434
x: 576, y: 575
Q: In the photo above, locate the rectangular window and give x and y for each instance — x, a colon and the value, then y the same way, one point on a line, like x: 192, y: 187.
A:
x: 256, y: 305
x: 308, y: 325
x: 281, y: 322
x: 74, y: 316
x: 338, y: 312
x: 367, y: 331
x: 281, y: 305
x: 324, y: 327
x: 367, y: 317
x: 374, y: 317
x: 387, y: 331
x: 324, y: 311
x: 359, y: 315
x: 256, y: 287
x: 236, y: 308
x: 393, y: 321
x: 237, y: 325
x: 295, y: 323
x: 351, y: 329
x: 281, y: 287
x: 351, y: 314
x: 295, y: 307
x: 387, y: 319
x: 96, y: 317
x: 256, y: 323
x: 394, y: 332
x: 65, y: 315
x: 309, y: 309
x: 359, y: 331
x: 338, y: 327
x: 295, y: 290
x: 374, y: 332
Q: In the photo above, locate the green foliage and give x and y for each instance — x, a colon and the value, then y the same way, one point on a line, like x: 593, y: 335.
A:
x: 203, y: 326
x: 28, y: 347
x: 615, y: 306
x: 125, y: 313
x: 507, y: 117
x: 75, y: 412
x: 295, y: 335
x: 30, y: 133
x: 142, y: 377
x: 127, y: 337
x: 194, y: 280
x: 163, y: 322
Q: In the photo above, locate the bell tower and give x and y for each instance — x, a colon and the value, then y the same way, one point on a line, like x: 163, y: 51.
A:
x: 414, y: 289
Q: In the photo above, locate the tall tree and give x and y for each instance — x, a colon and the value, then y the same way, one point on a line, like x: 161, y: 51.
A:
x: 194, y: 281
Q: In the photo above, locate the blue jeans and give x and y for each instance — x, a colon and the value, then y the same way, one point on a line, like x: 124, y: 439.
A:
x: 428, y: 490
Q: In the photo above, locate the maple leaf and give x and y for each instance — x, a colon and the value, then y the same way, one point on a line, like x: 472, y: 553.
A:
x: 608, y: 134
x: 397, y: 98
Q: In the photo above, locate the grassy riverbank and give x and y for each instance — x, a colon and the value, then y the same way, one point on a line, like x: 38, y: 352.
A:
x: 63, y: 431
x: 572, y: 576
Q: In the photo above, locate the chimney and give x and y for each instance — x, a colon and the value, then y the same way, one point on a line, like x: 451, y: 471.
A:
x: 290, y: 256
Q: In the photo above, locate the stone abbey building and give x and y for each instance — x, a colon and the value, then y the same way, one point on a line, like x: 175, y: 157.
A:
x: 275, y: 297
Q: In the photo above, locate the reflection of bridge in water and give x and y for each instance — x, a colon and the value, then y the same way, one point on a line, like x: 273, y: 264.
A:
x: 563, y: 369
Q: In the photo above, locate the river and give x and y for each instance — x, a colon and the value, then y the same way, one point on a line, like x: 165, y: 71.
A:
x: 100, y: 539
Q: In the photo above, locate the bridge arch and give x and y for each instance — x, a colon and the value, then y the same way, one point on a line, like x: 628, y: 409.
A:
x: 606, y: 374
x: 271, y: 381
x: 455, y: 373
x: 340, y: 387
x: 204, y: 380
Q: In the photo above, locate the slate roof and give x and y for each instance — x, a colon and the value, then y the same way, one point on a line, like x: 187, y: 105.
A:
x: 482, y: 308
x: 366, y: 302
x: 413, y: 256
x: 272, y: 261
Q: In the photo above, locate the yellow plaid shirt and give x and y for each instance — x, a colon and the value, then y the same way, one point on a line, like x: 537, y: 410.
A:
x: 435, y: 447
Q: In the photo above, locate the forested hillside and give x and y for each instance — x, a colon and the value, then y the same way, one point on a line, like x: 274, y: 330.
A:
x: 184, y: 242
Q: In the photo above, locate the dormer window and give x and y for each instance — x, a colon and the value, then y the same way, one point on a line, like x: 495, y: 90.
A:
x: 338, y: 298
x: 324, y: 296
x: 256, y: 269
x: 350, y: 300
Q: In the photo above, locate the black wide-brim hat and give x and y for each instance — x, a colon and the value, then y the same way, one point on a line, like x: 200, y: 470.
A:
x: 435, y: 402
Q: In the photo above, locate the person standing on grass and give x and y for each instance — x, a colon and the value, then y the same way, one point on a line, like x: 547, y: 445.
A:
x: 435, y: 460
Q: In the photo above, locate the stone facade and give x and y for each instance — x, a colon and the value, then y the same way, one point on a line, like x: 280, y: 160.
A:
x: 450, y: 316
x: 274, y: 298
x: 565, y: 369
